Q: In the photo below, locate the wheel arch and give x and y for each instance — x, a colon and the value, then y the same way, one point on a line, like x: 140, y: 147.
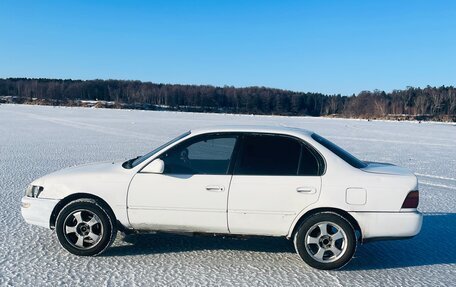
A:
x: 63, y: 202
x: 338, y: 211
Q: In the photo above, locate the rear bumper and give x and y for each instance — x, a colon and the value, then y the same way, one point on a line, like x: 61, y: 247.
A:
x: 37, y: 211
x: 388, y: 225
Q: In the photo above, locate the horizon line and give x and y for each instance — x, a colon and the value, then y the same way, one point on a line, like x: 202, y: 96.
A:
x: 225, y: 86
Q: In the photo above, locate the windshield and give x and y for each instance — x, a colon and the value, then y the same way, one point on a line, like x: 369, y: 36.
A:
x: 340, y: 152
x: 135, y: 161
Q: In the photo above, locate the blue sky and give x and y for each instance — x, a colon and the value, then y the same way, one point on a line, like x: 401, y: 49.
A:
x: 316, y: 46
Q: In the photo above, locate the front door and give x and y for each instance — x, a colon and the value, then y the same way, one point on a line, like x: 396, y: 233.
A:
x: 192, y: 192
x: 275, y: 178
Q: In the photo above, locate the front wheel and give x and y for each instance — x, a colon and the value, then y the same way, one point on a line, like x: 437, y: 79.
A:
x: 326, y: 241
x: 85, y: 228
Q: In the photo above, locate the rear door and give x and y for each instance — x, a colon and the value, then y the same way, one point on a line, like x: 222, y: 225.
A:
x: 275, y: 177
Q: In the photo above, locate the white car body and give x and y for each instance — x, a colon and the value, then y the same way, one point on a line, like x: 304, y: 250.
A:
x: 235, y: 204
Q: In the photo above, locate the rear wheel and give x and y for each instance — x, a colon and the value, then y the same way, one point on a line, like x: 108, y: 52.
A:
x: 326, y: 241
x: 85, y: 227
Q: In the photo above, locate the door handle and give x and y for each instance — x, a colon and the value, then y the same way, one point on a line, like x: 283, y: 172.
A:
x: 214, y: 188
x: 306, y: 189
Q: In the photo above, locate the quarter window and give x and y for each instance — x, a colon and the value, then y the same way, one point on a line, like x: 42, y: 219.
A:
x: 309, y: 164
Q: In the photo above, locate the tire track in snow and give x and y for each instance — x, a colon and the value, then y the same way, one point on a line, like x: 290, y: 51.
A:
x: 435, y: 176
x: 438, y: 185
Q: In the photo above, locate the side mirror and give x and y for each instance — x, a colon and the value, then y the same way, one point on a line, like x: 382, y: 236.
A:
x: 156, y: 166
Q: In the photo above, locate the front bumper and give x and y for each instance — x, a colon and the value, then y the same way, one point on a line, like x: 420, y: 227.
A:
x: 388, y: 225
x: 37, y: 211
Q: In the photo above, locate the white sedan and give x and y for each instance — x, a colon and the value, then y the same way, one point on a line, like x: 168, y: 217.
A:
x: 267, y: 181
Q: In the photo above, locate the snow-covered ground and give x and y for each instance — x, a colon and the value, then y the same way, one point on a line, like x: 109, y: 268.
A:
x: 36, y: 140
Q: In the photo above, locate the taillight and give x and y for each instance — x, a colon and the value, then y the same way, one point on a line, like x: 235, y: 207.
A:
x: 412, y: 199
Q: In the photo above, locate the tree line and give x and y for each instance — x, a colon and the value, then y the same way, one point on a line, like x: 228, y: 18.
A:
x: 437, y: 103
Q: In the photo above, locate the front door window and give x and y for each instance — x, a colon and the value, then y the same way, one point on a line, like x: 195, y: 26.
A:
x: 204, y: 155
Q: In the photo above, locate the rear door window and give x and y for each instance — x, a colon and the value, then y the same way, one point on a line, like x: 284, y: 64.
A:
x: 268, y: 155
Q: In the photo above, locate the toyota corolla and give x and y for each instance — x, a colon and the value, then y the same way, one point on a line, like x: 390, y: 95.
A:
x: 267, y: 181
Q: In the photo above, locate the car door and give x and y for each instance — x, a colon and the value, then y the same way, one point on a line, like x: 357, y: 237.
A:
x: 275, y: 178
x: 191, y: 194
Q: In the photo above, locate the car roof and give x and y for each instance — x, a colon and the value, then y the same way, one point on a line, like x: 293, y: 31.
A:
x: 254, y: 129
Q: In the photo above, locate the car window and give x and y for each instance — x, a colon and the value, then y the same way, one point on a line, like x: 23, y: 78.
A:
x: 134, y: 162
x: 340, y: 152
x: 309, y: 164
x: 207, y: 155
x: 268, y: 155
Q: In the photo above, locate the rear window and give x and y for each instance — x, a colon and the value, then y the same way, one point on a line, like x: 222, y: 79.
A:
x: 340, y: 152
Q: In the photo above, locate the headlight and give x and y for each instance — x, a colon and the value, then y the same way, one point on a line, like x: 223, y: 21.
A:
x: 33, y: 190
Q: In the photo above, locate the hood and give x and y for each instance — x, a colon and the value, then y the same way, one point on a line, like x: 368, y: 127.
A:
x: 105, y: 166
x: 88, y: 178
x: 80, y: 171
x: 386, y: 168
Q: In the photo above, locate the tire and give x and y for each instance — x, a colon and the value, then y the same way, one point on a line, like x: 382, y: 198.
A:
x: 325, y: 241
x: 85, y: 227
